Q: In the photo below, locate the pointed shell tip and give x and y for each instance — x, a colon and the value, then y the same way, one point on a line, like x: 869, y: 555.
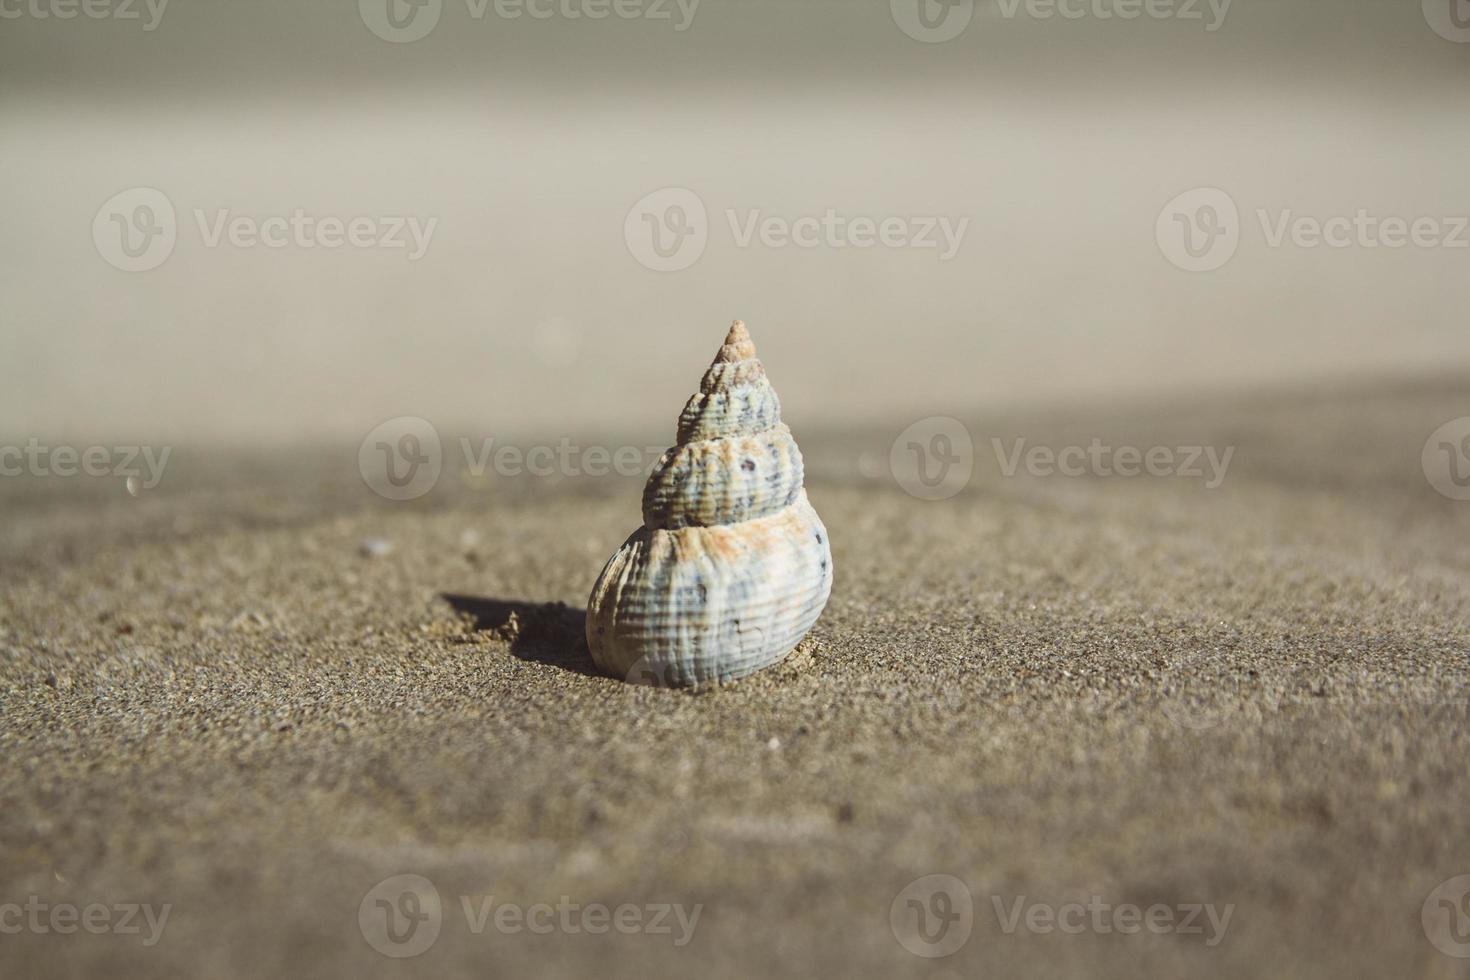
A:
x: 738, y: 346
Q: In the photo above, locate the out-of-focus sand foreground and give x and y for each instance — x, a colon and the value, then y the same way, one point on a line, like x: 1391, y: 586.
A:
x: 1127, y: 691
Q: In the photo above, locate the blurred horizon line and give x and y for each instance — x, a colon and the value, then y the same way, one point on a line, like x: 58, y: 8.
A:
x: 1169, y: 402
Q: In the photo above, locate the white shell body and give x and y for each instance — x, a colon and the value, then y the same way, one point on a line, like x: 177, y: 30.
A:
x: 732, y: 565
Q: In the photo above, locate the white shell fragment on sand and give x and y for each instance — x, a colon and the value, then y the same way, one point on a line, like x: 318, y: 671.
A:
x: 732, y: 565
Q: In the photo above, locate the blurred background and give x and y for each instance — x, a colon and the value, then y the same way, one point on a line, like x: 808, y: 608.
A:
x: 525, y: 142
x: 269, y: 240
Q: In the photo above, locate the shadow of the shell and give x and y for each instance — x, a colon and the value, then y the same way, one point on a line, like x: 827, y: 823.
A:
x: 554, y: 634
x: 549, y: 633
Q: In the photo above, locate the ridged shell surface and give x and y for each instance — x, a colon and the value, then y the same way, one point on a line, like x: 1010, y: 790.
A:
x: 732, y: 565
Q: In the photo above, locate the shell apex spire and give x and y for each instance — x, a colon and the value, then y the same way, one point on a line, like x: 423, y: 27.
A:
x: 738, y: 346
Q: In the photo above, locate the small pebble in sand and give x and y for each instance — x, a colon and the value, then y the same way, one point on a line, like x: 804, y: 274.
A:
x: 511, y: 628
x: 375, y: 547
x: 774, y: 743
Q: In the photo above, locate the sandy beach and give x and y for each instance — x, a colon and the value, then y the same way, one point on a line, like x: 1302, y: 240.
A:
x: 1124, y: 344
x: 256, y: 691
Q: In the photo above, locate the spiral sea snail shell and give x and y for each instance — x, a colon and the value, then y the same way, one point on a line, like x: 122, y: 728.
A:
x: 732, y: 566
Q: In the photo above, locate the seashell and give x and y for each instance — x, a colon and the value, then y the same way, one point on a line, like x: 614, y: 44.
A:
x: 732, y: 566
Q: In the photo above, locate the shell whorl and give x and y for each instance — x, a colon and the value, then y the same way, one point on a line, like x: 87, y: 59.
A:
x: 732, y: 460
x: 732, y: 565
